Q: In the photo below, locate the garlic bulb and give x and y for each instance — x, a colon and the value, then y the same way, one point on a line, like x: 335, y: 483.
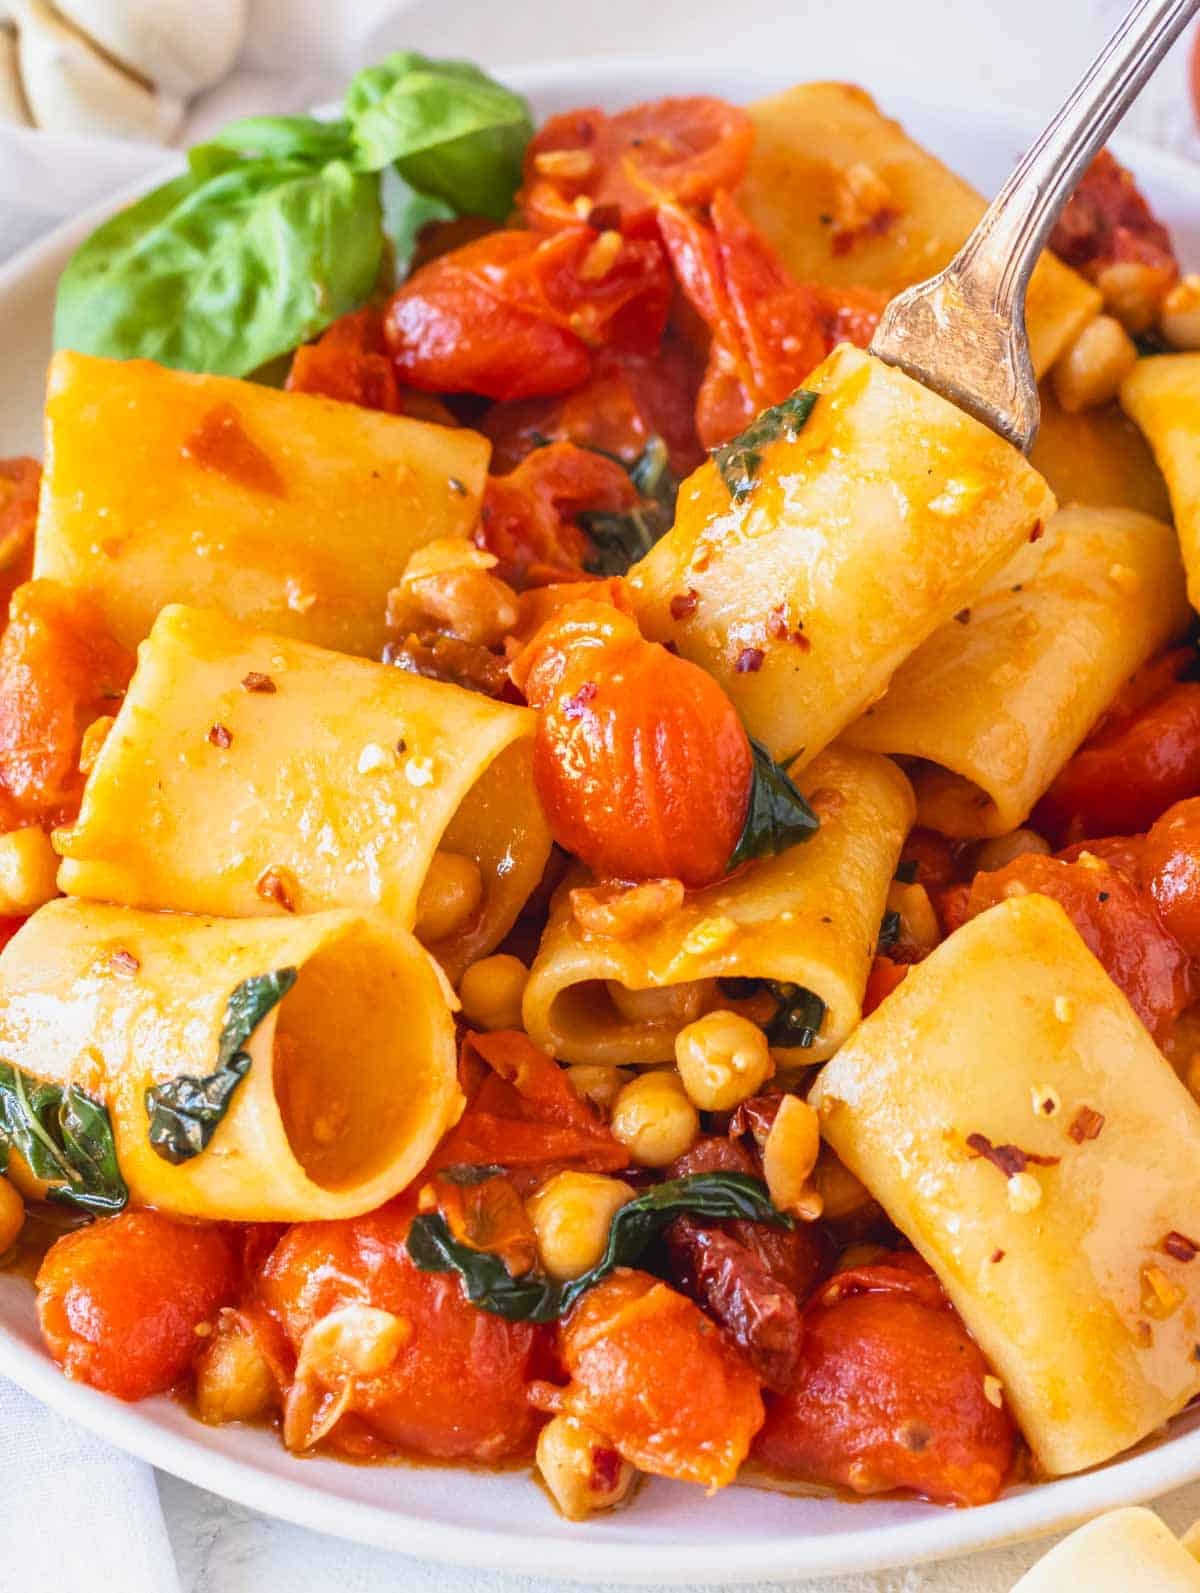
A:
x: 13, y: 110
x: 181, y: 46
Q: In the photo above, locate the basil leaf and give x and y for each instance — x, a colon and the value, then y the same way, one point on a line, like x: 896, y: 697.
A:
x: 906, y: 872
x: 777, y: 816
x: 405, y: 212
x: 451, y: 131
x: 739, y: 461
x: 186, y: 1111
x: 226, y: 267
x: 889, y: 928
x: 66, y: 1138
x: 798, y: 1018
x: 286, y: 138
x: 622, y: 537
x: 535, y: 1298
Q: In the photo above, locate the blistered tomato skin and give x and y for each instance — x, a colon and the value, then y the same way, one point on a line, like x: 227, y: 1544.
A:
x: 640, y: 761
x: 119, y: 1301
x: 890, y: 1392
x: 456, y: 1390
x: 660, y: 1381
x: 1170, y: 869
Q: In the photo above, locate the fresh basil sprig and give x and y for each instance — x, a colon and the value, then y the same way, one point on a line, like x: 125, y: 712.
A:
x: 740, y: 460
x: 65, y: 1137
x: 622, y: 537
x: 777, y: 816
x: 185, y: 1111
x: 277, y: 226
x: 533, y: 1297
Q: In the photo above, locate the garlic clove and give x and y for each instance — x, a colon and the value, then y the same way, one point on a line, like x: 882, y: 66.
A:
x: 71, y: 88
x: 178, y: 45
x: 14, y: 112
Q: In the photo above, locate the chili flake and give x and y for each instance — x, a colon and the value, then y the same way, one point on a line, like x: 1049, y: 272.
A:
x: 1086, y: 1125
x: 257, y: 681
x: 684, y: 604
x: 279, y: 886
x: 126, y: 964
x: 1010, y: 1159
x: 220, y: 736
x: 749, y: 661
x: 1180, y: 1246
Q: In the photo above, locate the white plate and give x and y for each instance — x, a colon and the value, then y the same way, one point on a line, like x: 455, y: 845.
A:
x: 673, y: 1534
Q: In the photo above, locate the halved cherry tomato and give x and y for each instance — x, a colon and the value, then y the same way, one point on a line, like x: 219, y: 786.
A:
x: 640, y: 760
x: 456, y: 1388
x: 1170, y: 870
x: 528, y: 518
x: 890, y: 1393
x: 1107, y: 221
x: 515, y: 315
x: 615, y: 171
x: 1118, y: 924
x: 119, y: 1301
x: 660, y: 1381
x: 59, y: 670
x: 629, y: 399
x: 350, y: 362
x: 884, y: 977
x: 19, y: 482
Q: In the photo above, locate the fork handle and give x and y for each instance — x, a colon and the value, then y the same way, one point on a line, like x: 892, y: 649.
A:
x: 1001, y: 253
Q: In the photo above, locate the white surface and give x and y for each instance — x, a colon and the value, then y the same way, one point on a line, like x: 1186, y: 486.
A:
x: 1029, y: 55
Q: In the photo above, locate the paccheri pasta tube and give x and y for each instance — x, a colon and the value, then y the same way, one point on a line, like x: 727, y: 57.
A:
x: 290, y: 512
x: 807, y: 920
x: 1125, y: 1551
x: 1162, y: 394
x: 995, y: 702
x: 849, y: 199
x: 351, y: 1078
x: 1098, y: 457
x: 803, y: 570
x: 1012, y: 1116
x: 250, y: 774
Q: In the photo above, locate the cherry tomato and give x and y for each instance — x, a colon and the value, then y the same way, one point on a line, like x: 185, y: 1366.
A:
x: 1122, y: 852
x: 660, y: 1381
x: 1170, y: 869
x: 515, y: 315
x: 350, y: 362
x: 529, y: 515
x: 1107, y: 220
x: 1129, y: 772
x: 1118, y: 924
x: 615, y: 171
x: 119, y: 1301
x: 930, y: 858
x: 59, y: 670
x: 640, y: 761
x: 884, y: 977
x: 890, y: 1393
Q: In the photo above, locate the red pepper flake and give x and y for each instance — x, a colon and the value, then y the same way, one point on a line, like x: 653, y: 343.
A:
x: 1038, y: 531
x: 749, y: 661
x: 1010, y: 1159
x: 777, y: 622
x: 1180, y: 1246
x: 800, y: 640
x: 998, y: 1255
x: 575, y: 704
x: 605, y: 218
x: 963, y: 617
x: 683, y: 605
x: 257, y: 681
x: 606, y: 1469
x: 1087, y: 1125
x: 277, y: 885
x: 126, y: 964
x: 220, y: 736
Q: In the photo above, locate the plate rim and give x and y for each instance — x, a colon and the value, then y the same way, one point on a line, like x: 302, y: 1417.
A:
x: 940, y: 1534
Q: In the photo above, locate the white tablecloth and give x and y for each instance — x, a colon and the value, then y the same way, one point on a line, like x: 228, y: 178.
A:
x: 1023, y: 52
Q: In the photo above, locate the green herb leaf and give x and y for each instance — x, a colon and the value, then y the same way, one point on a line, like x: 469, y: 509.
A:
x: 623, y: 537
x: 286, y: 138
x: 889, y: 929
x: 906, y: 872
x: 536, y: 1298
x: 739, y: 461
x: 798, y: 1018
x: 66, y: 1138
x: 777, y: 817
x: 451, y: 131
x: 405, y: 212
x: 186, y: 1111
x: 226, y: 267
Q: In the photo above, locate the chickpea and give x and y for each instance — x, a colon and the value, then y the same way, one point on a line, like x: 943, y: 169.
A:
x: 1134, y: 292
x: 789, y: 1157
x: 1095, y: 365
x: 653, y: 1118
x: 491, y: 992
x: 840, y: 1191
x: 450, y: 896
x: 599, y: 1085
x: 664, y: 1004
x: 12, y: 1215
x: 571, y: 1215
x: 723, y: 1059
x: 28, y: 871
x: 1179, y: 321
x: 1002, y: 849
x: 234, y: 1382
x: 919, y: 930
x: 450, y: 582
x: 581, y: 1469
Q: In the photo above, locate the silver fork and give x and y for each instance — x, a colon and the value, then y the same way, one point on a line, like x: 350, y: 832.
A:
x: 962, y: 333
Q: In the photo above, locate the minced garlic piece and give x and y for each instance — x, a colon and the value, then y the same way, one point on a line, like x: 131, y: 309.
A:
x: 1024, y: 1193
